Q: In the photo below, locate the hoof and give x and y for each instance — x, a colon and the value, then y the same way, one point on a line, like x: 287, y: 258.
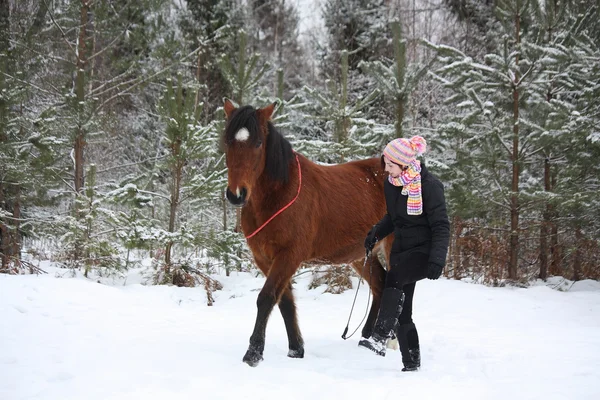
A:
x: 252, y: 358
x: 296, y: 353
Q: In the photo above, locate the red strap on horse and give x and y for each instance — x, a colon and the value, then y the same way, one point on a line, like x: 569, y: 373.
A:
x: 289, y: 204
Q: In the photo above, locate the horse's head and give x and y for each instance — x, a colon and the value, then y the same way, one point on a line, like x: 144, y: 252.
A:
x: 246, y: 136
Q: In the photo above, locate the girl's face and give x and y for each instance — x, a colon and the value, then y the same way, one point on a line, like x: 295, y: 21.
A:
x: 394, y: 169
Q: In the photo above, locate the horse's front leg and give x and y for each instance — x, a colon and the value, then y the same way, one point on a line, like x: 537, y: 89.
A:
x: 287, y: 306
x: 279, y: 277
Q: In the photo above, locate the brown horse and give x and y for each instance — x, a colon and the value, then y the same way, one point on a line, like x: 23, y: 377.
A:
x: 322, y: 215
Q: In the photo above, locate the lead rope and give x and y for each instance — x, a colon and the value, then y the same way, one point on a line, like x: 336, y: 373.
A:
x: 289, y: 204
x: 355, y: 295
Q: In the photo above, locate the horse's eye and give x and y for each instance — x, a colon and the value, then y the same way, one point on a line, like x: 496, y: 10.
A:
x: 259, y: 143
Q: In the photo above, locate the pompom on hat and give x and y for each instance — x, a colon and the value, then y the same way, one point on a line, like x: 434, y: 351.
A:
x: 405, y: 151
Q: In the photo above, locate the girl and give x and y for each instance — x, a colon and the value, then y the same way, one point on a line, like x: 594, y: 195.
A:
x: 416, y: 213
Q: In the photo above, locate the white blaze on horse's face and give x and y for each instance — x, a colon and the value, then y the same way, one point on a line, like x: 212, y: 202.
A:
x: 242, y: 135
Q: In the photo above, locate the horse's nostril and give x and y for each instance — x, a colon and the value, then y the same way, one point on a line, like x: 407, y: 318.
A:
x: 238, y: 198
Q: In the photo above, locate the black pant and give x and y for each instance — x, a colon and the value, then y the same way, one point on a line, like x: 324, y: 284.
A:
x: 407, y: 268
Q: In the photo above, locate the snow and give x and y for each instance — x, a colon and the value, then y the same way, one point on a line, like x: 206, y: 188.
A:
x: 73, y: 338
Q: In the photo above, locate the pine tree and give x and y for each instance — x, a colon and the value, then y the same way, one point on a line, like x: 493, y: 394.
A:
x: 570, y: 133
x: 211, y: 26
x: 194, y: 167
x: 277, y: 40
x: 245, y: 73
x: 520, y: 144
x: 26, y: 154
x: 397, y: 81
x: 492, y: 144
x: 361, y: 28
x: 350, y: 133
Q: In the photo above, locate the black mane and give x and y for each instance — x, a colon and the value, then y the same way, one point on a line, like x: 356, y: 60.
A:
x: 278, y: 148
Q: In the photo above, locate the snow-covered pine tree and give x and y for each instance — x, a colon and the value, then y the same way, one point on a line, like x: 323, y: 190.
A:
x: 349, y: 134
x: 194, y: 170
x: 244, y: 72
x: 89, y: 240
x: 475, y: 35
x: 492, y: 145
x: 276, y: 38
x: 549, y: 32
x: 360, y: 27
x: 568, y: 127
x: 27, y: 151
x: 397, y: 81
x: 212, y: 26
x: 93, y: 61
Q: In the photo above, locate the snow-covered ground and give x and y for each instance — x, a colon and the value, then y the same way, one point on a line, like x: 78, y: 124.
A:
x: 72, y: 338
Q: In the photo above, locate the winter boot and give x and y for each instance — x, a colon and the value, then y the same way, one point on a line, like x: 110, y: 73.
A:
x: 408, y: 339
x: 389, y: 310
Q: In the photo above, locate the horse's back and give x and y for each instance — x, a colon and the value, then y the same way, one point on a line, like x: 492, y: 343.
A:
x: 347, y: 199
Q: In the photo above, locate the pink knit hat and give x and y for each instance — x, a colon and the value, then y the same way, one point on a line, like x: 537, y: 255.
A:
x: 403, y: 151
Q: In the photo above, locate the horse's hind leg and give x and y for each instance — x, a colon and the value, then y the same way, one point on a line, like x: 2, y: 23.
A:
x: 287, y: 306
x: 374, y: 274
x: 279, y: 277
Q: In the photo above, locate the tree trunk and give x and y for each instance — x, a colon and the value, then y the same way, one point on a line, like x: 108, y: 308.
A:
x: 554, y: 247
x: 400, y: 55
x: 545, y: 226
x: 514, y: 197
x: 4, y: 234
x: 457, y: 229
x: 79, y: 145
x: 224, y: 200
x: 16, y: 236
x: 176, y: 175
x: 577, y: 254
x: 4, y: 109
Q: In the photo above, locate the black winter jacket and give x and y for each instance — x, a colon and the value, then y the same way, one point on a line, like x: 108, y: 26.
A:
x: 428, y: 233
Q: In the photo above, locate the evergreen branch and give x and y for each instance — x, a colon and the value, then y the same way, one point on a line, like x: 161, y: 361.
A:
x: 110, y: 45
x: 525, y: 75
x: 45, y: 55
x: 155, y: 158
x: 62, y: 32
x: 506, y: 147
x: 162, y: 196
x: 148, y: 78
x: 366, y: 101
x: 27, y: 83
x: 94, y: 92
x: 259, y: 75
x: 98, y: 234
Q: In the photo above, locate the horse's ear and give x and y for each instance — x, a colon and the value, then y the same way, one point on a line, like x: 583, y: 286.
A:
x: 267, y: 112
x: 229, y: 107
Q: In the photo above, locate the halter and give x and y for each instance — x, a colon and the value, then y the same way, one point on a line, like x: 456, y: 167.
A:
x: 289, y: 204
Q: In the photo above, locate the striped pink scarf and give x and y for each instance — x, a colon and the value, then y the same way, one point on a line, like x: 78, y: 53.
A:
x: 410, y: 179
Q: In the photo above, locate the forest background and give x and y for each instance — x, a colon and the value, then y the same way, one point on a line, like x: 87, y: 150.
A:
x: 111, y: 116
